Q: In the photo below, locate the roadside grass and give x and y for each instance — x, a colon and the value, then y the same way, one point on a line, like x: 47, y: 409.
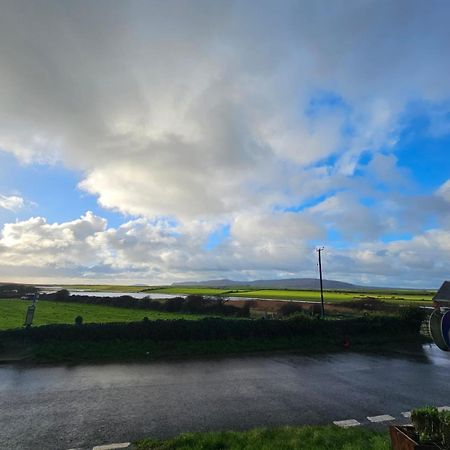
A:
x: 283, y: 438
x: 12, y: 313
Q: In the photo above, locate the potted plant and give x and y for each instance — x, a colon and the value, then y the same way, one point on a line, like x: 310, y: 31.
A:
x: 430, y: 429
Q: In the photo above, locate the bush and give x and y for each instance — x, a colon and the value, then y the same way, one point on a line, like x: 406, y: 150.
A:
x: 215, y: 328
x: 62, y: 295
x: 174, y: 304
x: 190, y: 304
x: 413, y: 314
x: 290, y: 308
x: 432, y: 425
x: 445, y: 429
x: 78, y: 320
x: 13, y: 290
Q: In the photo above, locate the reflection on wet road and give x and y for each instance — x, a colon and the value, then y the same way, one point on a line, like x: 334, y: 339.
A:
x: 64, y: 407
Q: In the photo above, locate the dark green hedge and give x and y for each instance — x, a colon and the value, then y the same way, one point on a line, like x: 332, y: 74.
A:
x: 212, y: 328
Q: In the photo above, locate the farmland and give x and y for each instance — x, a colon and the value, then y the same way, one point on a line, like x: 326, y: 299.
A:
x: 104, y: 287
x: 400, y: 296
x: 12, y: 313
x: 406, y: 297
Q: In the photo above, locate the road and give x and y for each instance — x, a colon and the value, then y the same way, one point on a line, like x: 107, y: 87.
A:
x: 80, y: 406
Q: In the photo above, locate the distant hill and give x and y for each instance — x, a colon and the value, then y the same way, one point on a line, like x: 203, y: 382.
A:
x: 288, y: 283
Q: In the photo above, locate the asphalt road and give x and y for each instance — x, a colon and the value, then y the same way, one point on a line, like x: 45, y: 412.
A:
x: 81, y: 406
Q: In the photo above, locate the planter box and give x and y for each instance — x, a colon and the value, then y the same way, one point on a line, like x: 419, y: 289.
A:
x: 404, y: 438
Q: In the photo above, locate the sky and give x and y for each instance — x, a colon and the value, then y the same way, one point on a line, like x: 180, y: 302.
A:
x: 155, y: 142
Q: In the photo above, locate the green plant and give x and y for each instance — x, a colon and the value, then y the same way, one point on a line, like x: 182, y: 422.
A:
x: 427, y: 422
x: 79, y: 320
x: 285, y: 438
x: 445, y: 429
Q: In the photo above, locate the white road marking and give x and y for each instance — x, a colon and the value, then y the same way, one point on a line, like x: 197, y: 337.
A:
x: 382, y: 418
x: 112, y: 446
x: 346, y: 423
x: 444, y: 408
x: 406, y: 414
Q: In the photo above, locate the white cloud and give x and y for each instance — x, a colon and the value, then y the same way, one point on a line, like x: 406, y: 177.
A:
x: 194, y: 110
x: 210, y: 113
x: 12, y: 202
x: 258, y: 247
x: 444, y: 191
x: 34, y: 242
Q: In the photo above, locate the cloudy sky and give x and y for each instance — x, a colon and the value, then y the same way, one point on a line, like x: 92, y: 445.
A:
x: 152, y: 142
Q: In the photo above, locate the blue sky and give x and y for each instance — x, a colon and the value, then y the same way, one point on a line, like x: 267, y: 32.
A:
x: 51, y: 191
x: 165, y: 144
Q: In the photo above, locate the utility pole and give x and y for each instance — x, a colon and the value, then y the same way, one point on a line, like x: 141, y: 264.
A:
x: 30, y: 311
x: 319, y: 250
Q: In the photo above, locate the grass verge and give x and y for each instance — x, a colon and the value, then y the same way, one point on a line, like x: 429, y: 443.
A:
x: 282, y: 438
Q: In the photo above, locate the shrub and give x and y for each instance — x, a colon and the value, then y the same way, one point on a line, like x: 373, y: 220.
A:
x: 290, y: 308
x: 414, y: 316
x: 445, y: 429
x: 427, y: 423
x: 174, y: 304
x: 215, y: 328
x: 78, y: 320
x: 432, y: 425
x: 194, y: 303
x: 62, y: 295
x: 190, y: 304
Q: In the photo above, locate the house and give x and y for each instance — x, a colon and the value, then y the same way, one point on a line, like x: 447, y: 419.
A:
x: 442, y: 297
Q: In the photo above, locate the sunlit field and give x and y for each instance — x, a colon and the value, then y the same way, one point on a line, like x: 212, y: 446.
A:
x: 399, y: 296
x: 406, y: 296
x: 12, y: 313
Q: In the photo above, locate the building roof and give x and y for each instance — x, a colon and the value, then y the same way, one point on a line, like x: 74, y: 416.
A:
x: 443, y: 294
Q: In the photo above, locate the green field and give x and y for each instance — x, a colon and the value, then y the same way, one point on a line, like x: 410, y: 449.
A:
x: 406, y: 296
x: 194, y: 290
x: 104, y: 287
x: 12, y: 313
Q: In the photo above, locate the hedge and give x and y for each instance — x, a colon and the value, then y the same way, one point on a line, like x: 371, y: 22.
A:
x: 216, y: 328
x: 196, y: 304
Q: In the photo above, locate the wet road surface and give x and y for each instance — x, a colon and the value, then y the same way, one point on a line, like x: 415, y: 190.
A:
x: 80, y: 406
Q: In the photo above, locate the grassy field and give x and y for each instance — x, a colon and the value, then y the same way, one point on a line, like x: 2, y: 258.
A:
x: 284, y: 438
x: 403, y: 296
x: 194, y: 290
x: 12, y: 313
x: 406, y: 296
x: 104, y: 287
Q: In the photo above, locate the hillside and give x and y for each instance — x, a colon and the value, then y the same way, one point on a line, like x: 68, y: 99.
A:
x: 288, y: 283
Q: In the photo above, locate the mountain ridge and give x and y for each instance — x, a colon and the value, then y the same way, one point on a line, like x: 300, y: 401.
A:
x: 284, y: 283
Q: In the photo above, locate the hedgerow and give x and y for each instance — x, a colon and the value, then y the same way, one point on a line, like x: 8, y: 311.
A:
x: 216, y: 328
x: 196, y: 304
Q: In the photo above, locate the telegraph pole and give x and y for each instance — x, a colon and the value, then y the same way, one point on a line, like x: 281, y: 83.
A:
x: 30, y: 311
x: 319, y: 250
